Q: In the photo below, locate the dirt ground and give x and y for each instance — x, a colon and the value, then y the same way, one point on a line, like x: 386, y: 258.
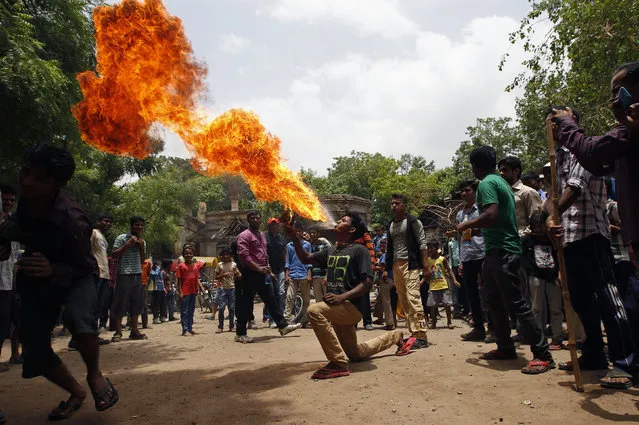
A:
x: 209, y: 379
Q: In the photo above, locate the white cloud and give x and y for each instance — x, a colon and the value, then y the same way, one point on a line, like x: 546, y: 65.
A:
x: 233, y: 43
x: 419, y: 102
x: 381, y: 17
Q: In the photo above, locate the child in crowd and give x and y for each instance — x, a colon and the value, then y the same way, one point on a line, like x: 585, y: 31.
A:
x: 385, y: 285
x: 226, y: 273
x: 169, y: 289
x: 542, y: 278
x: 439, y: 290
x: 158, y: 295
x: 188, y: 283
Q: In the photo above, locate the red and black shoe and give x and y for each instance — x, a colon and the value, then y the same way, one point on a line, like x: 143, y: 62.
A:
x: 329, y: 371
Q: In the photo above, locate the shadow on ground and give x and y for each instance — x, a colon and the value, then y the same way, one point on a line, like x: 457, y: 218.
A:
x: 201, y: 396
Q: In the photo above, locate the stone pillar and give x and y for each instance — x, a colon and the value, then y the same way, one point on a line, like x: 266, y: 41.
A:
x: 235, y: 202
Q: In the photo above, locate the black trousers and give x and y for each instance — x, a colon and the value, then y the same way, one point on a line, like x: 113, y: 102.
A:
x: 628, y: 284
x: 502, y: 288
x: 105, y: 294
x: 253, y: 283
x: 595, y: 298
x: 367, y: 318
x: 471, y: 273
x: 158, y: 304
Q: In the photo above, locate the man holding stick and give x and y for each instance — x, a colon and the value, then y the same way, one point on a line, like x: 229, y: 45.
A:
x: 590, y: 271
x: 501, y: 265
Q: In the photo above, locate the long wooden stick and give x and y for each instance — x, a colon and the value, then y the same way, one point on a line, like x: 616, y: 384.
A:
x: 562, y: 265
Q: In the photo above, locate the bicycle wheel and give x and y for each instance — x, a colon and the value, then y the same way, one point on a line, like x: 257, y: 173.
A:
x: 296, y: 314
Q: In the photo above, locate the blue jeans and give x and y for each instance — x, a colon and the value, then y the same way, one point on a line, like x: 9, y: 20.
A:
x: 170, y: 302
x: 188, y: 309
x: 279, y: 292
x: 226, y: 298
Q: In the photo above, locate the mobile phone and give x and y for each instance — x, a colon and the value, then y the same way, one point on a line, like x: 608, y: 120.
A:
x: 624, y: 99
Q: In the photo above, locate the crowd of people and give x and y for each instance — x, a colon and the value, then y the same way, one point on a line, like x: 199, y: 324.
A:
x: 497, y: 268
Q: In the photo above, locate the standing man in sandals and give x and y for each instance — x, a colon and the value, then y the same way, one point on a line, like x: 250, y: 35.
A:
x: 406, y: 256
x: 56, y: 269
x: 128, y: 249
x: 502, y: 284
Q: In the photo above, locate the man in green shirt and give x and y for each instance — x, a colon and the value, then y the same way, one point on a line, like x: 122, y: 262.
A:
x: 501, y: 265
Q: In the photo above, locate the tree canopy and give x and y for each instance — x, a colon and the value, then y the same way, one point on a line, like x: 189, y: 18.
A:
x: 44, y: 43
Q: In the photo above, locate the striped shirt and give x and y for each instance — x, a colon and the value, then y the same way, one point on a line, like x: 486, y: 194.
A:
x: 129, y: 262
x: 587, y: 215
x: 368, y: 243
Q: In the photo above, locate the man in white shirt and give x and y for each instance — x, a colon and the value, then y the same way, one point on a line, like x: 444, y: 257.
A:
x: 99, y: 246
x: 9, y: 302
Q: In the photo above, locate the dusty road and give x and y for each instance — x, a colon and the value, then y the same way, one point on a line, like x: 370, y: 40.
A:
x: 209, y: 379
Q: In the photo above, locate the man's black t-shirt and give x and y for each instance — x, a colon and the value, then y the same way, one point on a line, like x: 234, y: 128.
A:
x: 275, y: 248
x: 344, y: 269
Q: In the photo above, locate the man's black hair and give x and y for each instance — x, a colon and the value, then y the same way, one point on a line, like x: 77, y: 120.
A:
x: 484, y: 158
x: 135, y: 219
x: 472, y: 183
x: 57, y: 161
x: 105, y: 215
x: 538, y: 217
x: 400, y: 196
x: 188, y: 246
x: 166, y: 264
x: 225, y: 251
x: 358, y: 223
x: 632, y: 70
x: 253, y: 213
x: 512, y: 162
x: 531, y: 175
x: 299, y: 225
x: 432, y: 242
x: 8, y: 189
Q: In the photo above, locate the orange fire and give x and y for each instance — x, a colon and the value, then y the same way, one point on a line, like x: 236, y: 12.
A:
x: 146, y: 74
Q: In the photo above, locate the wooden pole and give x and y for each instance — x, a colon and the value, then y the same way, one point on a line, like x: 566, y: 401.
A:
x: 562, y: 265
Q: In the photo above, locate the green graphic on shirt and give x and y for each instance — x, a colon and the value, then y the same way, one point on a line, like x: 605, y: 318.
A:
x: 337, y: 265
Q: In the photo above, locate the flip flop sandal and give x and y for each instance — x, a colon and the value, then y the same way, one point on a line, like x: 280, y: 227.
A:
x: 405, y: 349
x: 116, y: 338
x: 105, y: 398
x: 556, y: 347
x: 535, y: 367
x: 617, y: 374
x: 498, y: 355
x: 65, y: 410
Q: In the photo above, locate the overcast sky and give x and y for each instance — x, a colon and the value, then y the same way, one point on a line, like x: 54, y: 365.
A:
x: 332, y: 76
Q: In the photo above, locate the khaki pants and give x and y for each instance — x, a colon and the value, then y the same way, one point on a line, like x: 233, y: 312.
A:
x: 407, y: 284
x: 319, y: 290
x: 334, y: 326
x: 385, y: 286
x: 295, y: 285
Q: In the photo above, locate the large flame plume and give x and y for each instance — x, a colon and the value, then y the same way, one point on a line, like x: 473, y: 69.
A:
x: 148, y: 74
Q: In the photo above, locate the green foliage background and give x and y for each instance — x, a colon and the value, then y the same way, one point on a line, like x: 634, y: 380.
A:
x: 44, y: 43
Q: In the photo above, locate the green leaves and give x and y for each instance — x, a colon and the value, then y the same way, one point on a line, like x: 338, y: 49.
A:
x: 43, y: 44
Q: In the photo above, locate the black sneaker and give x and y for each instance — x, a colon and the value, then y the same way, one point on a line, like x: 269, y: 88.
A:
x: 73, y: 345
x: 476, y: 334
x: 490, y: 339
x: 420, y: 343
